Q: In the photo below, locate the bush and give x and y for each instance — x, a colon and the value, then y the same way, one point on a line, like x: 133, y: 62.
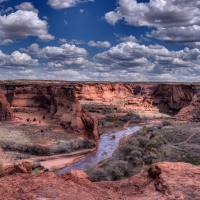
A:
x: 54, y: 169
x: 131, y: 117
x: 166, y: 123
x: 117, y: 169
x: 125, y: 150
x: 155, y: 142
x: 142, y: 141
x: 144, y: 129
x: 1, y: 170
x: 134, y: 142
x: 135, y: 157
x: 36, y: 164
x: 98, y: 175
x: 25, y: 148
x: 36, y: 171
x: 149, y: 158
x: 72, y: 145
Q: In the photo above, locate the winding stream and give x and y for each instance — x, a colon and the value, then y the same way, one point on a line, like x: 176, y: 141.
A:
x: 108, y: 143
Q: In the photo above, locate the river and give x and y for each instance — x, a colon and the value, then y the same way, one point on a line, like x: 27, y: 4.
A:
x: 108, y: 143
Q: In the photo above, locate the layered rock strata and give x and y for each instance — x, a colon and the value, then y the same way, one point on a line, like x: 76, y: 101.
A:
x: 165, y: 97
x: 171, y: 97
x: 192, y: 111
x: 58, y: 101
x: 150, y: 96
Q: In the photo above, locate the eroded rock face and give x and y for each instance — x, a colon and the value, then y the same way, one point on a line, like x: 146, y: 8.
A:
x: 5, y: 111
x: 192, y: 111
x: 111, y: 92
x: 165, y: 97
x: 165, y: 181
x: 66, y: 108
x: 172, y: 97
x: 21, y: 166
x: 58, y: 101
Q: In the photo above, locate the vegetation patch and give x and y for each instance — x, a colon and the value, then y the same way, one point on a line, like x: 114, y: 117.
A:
x: 72, y: 145
x: 178, y: 143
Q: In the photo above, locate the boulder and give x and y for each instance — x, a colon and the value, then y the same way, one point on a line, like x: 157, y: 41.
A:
x: 21, y: 166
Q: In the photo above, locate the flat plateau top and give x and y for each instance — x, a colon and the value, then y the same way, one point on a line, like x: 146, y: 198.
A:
x: 59, y: 82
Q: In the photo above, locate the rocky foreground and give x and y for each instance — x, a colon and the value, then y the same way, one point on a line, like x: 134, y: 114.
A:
x: 164, y: 181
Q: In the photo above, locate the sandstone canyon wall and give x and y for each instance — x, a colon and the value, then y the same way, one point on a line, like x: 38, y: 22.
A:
x: 165, y: 97
x: 59, y: 101
x: 5, y: 110
x: 62, y: 99
x: 168, y: 97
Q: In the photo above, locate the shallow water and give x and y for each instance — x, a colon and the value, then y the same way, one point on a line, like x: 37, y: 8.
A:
x: 108, y: 143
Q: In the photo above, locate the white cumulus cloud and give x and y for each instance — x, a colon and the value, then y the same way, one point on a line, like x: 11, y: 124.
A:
x: 60, y: 4
x: 22, y: 24
x: 17, y: 60
x: 26, y: 6
x: 104, y: 44
x: 177, y: 21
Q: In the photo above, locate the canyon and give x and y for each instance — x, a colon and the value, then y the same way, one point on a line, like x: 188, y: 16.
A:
x: 170, y: 98
x: 57, y: 114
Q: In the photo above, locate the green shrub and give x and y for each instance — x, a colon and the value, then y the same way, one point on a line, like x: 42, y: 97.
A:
x: 155, y: 142
x: 36, y: 171
x: 72, y: 145
x: 98, y: 175
x: 133, y: 141
x: 36, y: 164
x: 166, y: 123
x: 1, y: 142
x: 135, y: 157
x: 125, y: 150
x: 144, y: 129
x: 150, y: 157
x: 117, y: 169
x: 1, y: 169
x: 54, y: 169
x: 142, y: 141
x: 25, y: 148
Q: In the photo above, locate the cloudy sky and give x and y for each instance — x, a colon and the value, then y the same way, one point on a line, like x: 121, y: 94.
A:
x: 100, y: 40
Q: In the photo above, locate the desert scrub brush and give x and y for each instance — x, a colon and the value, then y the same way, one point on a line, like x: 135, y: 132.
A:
x: 1, y: 170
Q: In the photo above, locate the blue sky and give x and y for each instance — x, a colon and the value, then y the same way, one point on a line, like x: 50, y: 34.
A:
x: 100, y: 40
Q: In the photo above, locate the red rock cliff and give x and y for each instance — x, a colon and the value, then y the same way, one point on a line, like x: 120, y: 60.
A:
x: 59, y: 101
x: 172, y: 96
x: 5, y: 111
x: 165, y: 97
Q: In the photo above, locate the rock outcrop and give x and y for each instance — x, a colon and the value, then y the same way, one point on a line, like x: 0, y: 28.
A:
x: 149, y: 96
x: 171, y: 97
x: 5, y: 110
x: 58, y: 102
x: 192, y: 111
x: 111, y: 92
x: 164, y: 181
x: 68, y: 111
x: 21, y: 166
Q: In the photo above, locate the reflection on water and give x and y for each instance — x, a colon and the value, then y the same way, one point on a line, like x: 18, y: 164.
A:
x: 108, y: 143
